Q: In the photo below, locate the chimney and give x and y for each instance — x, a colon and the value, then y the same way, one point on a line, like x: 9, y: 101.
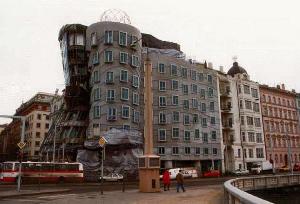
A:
x: 210, y: 65
x: 278, y: 86
x: 293, y: 90
x: 282, y: 86
x: 222, y: 69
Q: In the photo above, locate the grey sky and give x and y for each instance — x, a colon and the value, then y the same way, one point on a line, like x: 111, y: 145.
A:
x: 263, y: 34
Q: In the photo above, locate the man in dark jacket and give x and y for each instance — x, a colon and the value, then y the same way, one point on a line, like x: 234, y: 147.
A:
x: 179, y: 179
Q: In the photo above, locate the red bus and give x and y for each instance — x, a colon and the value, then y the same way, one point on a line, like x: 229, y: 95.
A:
x: 44, y: 172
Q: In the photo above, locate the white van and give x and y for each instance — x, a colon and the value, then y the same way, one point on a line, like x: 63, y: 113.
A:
x: 187, y: 173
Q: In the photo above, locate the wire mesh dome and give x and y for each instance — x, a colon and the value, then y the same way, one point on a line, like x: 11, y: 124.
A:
x: 115, y: 15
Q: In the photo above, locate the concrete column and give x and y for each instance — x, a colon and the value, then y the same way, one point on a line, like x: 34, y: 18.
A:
x: 198, y: 167
x: 168, y: 164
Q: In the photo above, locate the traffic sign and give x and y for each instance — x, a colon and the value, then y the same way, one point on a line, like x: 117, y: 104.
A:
x: 102, y: 141
x: 21, y: 145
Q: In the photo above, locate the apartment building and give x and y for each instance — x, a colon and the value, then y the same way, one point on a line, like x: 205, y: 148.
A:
x: 281, y: 124
x: 242, y: 129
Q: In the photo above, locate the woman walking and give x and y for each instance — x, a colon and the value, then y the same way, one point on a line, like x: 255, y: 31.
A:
x: 166, y: 180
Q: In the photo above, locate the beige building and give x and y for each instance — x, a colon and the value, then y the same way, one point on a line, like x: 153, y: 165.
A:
x: 37, y: 111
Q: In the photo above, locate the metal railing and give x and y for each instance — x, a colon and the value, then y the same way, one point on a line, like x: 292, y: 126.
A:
x: 234, y: 189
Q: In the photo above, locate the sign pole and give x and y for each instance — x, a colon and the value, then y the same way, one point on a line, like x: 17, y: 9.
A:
x: 102, y: 142
x: 22, y: 141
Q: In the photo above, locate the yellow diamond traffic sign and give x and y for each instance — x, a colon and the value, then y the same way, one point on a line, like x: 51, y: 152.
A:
x: 102, y: 141
x: 21, y: 145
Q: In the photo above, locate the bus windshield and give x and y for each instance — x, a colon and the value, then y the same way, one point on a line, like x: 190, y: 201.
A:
x: 7, y: 166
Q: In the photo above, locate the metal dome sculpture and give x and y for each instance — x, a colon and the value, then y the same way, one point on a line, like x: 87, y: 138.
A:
x: 115, y: 15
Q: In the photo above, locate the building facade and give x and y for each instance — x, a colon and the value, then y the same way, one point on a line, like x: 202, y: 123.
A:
x: 281, y: 124
x: 242, y: 128
x: 36, y: 111
x: 298, y: 107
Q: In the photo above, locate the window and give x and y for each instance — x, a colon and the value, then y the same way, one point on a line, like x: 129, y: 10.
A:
x: 256, y: 107
x: 187, y: 135
x: 175, y: 150
x: 124, y: 75
x: 185, y: 89
x: 194, y: 88
x: 215, y: 151
x: 175, y: 85
x: 186, y: 104
x: 162, y: 135
x: 124, y: 93
x: 38, y: 125
x: 175, y: 116
x: 200, y: 77
x: 108, y: 56
x: 96, y: 76
x: 94, y: 39
x: 186, y: 119
x: 39, y: 116
x: 212, y: 106
x: 257, y: 122
x: 96, y: 111
x: 161, y: 150
x: 250, y: 151
x: 184, y: 72
x: 202, y: 93
x: 96, y: 94
x: 242, y: 120
x: 162, y: 118
x: 204, y: 122
x: 197, y: 134
x: 254, y: 93
x: 246, y: 89
x: 175, y: 133
x: 195, y: 118
x: 187, y: 150
x: 135, y: 81
x: 47, y: 117
x: 47, y: 125
x: 112, y: 113
x: 249, y: 120
x: 205, y: 151
x: 162, y: 85
x: 197, y: 150
x: 125, y: 111
x: 259, y: 152
x: 79, y: 39
x: 110, y: 95
x: 205, y: 137
x: 239, y: 153
x: 251, y: 137
x: 248, y: 105
x: 245, y: 153
x: 135, y: 61
x: 210, y: 92
x: 109, y: 77
x: 241, y: 104
x: 175, y: 100
x: 108, y: 37
x: 162, y: 101
x: 136, y: 116
x: 259, y: 138
x: 135, y: 98
x: 173, y: 70
x: 37, y: 134
x: 123, y: 57
x: 213, y: 135
x: 96, y: 58
x: 37, y: 143
x: 161, y: 68
x: 193, y: 75
x: 122, y: 38
x: 203, y: 107
x: 194, y: 103
x: 209, y: 79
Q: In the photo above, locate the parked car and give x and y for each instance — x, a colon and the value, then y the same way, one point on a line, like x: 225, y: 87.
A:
x: 112, y: 177
x: 241, y: 172
x: 296, y: 167
x: 212, y: 173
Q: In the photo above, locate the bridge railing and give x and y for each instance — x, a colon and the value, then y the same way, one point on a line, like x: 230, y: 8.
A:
x: 234, y: 189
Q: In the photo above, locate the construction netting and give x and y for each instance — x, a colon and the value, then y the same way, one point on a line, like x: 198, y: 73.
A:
x: 122, y: 149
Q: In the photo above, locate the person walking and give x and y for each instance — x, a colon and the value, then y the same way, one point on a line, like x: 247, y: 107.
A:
x: 179, y: 179
x: 166, y: 180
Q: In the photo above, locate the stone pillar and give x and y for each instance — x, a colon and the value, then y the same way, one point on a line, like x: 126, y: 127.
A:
x: 197, y: 164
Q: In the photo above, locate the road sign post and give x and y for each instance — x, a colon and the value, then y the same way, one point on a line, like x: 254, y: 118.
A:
x: 102, y: 142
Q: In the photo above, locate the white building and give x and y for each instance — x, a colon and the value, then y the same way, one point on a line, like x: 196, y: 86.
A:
x: 242, y: 131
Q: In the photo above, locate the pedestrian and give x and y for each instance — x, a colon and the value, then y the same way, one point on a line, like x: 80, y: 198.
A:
x: 166, y: 180
x: 179, y: 179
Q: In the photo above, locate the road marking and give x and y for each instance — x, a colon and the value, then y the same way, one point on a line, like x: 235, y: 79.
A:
x: 56, y: 196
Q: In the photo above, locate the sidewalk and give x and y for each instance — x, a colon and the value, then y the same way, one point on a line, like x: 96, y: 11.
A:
x: 14, y: 193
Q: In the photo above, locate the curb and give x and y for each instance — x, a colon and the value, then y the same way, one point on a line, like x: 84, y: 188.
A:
x: 34, y: 193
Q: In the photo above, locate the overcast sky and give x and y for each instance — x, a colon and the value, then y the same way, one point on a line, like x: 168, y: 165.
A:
x: 263, y: 34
